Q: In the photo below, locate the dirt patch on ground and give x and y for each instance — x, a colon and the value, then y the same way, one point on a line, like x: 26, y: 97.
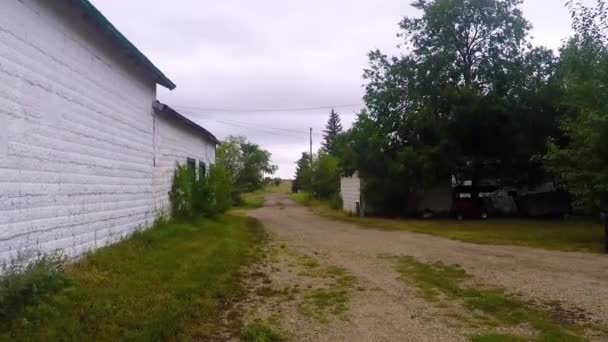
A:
x: 302, y: 296
x: 376, y: 305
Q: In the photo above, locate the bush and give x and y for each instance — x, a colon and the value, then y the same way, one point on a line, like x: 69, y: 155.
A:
x: 180, y: 196
x: 221, y: 185
x: 205, y: 196
x: 21, y: 286
x: 335, y: 201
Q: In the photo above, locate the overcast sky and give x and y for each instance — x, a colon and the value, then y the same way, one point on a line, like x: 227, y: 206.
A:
x: 232, y: 57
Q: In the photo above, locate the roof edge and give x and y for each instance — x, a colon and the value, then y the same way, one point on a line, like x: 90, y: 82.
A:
x: 92, y: 15
x: 165, y: 109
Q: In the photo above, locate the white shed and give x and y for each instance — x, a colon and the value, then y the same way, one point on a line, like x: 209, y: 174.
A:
x: 86, y: 155
x: 350, y: 190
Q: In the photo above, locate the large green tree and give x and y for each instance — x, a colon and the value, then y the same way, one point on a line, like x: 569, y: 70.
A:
x: 332, y: 129
x: 326, y: 176
x: 581, y: 159
x: 247, y: 163
x: 470, y: 97
x: 303, y: 179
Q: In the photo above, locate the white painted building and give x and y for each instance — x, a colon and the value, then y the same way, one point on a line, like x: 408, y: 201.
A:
x: 177, y: 140
x: 350, y: 190
x: 86, y: 154
x: 436, y: 200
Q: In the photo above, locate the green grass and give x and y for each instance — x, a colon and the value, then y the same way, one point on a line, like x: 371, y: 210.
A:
x: 570, y: 236
x: 323, y: 303
x: 261, y: 331
x: 254, y: 200
x: 168, y: 283
x: 497, y: 338
x: 492, y: 307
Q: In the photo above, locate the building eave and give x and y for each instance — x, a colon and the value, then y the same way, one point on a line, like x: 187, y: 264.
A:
x: 94, y: 17
x: 169, y: 112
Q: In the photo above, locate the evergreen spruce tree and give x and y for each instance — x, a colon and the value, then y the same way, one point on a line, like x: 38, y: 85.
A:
x: 332, y: 129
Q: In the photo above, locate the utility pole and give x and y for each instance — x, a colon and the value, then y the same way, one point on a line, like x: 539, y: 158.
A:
x: 311, y: 166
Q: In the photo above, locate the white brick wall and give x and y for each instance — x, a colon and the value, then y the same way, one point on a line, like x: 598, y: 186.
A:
x: 76, y: 135
x: 350, y: 189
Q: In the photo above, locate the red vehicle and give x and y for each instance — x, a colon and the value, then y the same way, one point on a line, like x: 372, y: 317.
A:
x: 467, y: 208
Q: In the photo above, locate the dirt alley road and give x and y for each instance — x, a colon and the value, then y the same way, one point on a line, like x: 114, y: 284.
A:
x: 394, y: 311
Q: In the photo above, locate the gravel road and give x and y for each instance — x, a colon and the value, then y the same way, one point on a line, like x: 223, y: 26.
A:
x: 391, y: 311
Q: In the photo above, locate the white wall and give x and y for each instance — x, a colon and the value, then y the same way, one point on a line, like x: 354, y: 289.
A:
x: 175, y: 143
x: 76, y: 155
x: 350, y: 189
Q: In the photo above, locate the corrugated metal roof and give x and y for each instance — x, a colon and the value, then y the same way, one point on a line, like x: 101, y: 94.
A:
x: 170, y: 112
x: 92, y: 15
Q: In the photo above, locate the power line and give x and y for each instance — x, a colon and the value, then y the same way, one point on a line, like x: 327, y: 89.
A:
x: 250, y: 125
x: 243, y: 110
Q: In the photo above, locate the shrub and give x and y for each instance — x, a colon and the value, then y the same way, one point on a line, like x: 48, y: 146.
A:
x: 202, y: 197
x: 221, y: 183
x: 335, y: 201
x: 21, y: 285
x: 180, y: 196
x: 205, y: 196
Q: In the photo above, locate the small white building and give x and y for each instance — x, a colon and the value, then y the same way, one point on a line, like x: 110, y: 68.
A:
x: 86, y: 153
x: 350, y: 190
x: 436, y: 200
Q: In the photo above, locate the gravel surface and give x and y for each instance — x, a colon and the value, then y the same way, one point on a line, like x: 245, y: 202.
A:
x: 387, y: 310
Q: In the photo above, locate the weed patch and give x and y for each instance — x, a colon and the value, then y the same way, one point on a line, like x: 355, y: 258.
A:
x: 492, y: 307
x: 21, y: 286
x: 497, y: 338
x: 261, y: 331
x: 170, y: 282
x: 323, y: 303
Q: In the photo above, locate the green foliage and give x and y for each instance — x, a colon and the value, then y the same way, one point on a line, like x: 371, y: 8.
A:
x: 221, y: 188
x: 247, y: 163
x: 332, y: 129
x: 171, y: 282
x: 336, y: 202
x: 207, y: 196
x: 21, y: 286
x: 581, y: 158
x: 303, y: 180
x: 470, y: 98
x: 181, y: 193
x: 326, y: 177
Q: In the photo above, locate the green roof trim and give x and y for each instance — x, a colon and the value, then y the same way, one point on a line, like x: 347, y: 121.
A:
x: 93, y: 16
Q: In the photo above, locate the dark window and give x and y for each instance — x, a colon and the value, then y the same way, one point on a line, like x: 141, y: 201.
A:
x: 202, y: 169
x: 192, y: 169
